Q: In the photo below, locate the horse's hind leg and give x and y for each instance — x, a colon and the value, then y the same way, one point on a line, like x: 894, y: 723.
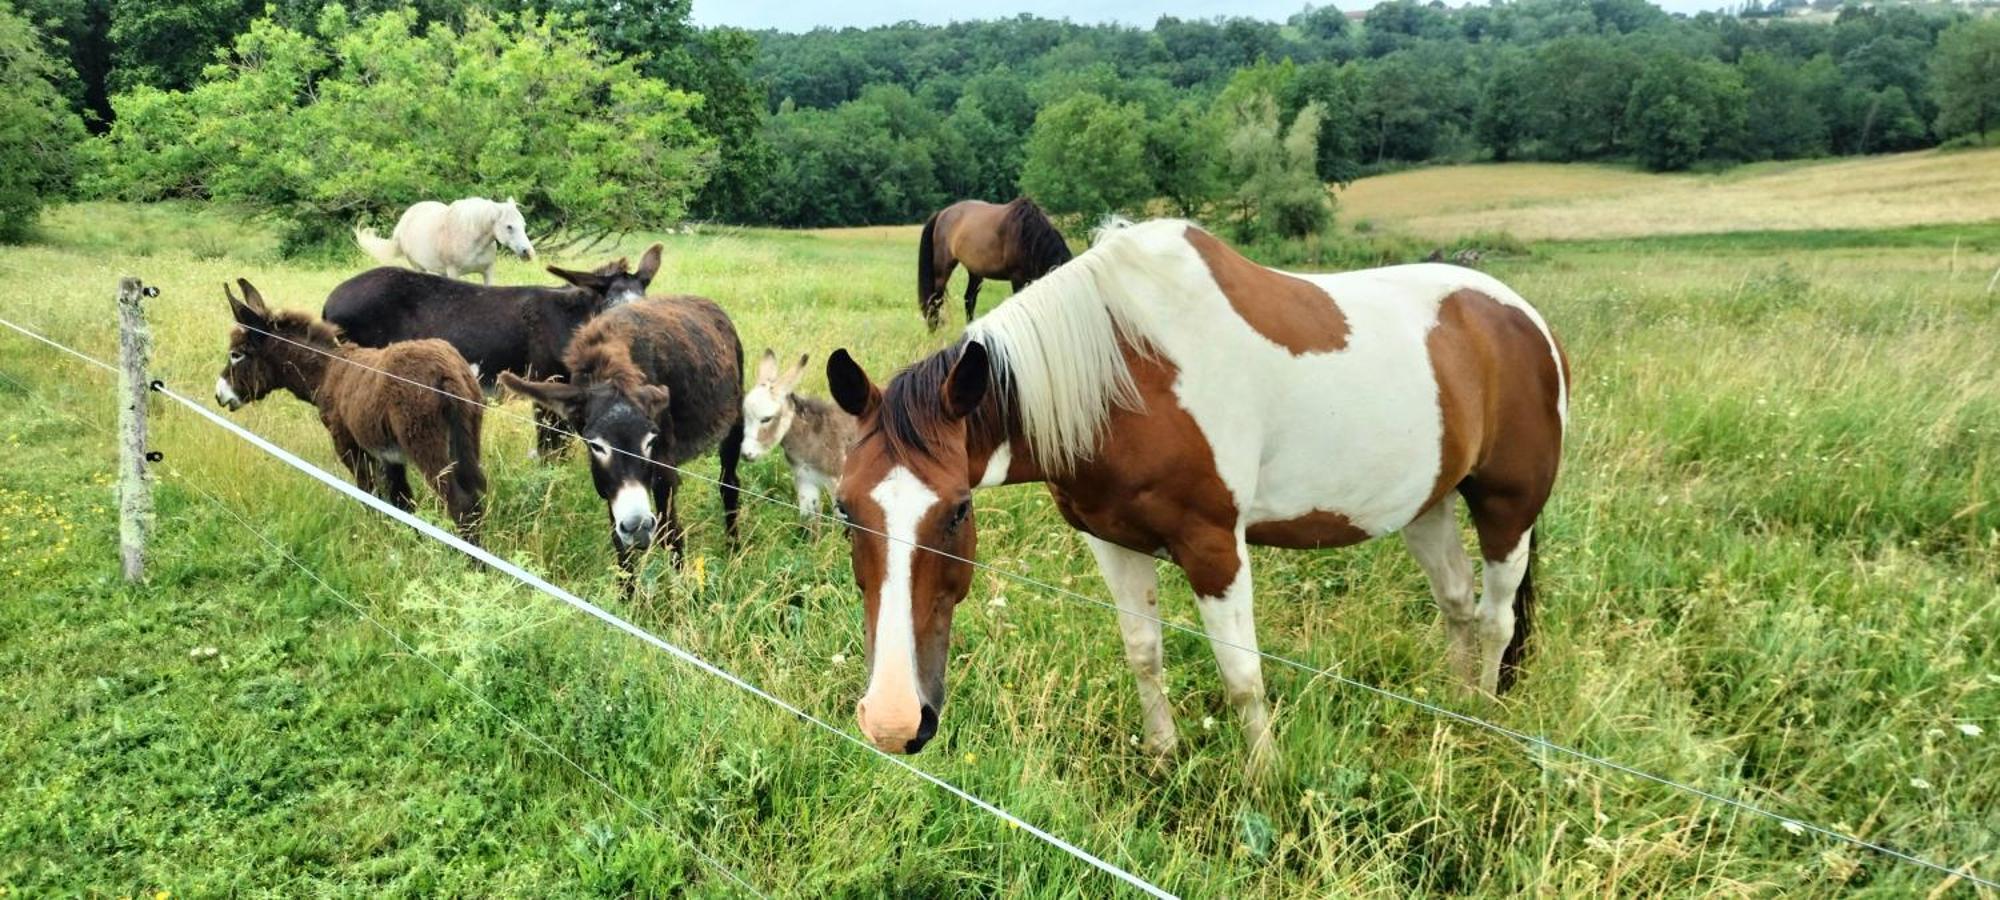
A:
x: 971, y: 293
x: 1504, y: 515
x: 1433, y: 538
x: 934, y: 301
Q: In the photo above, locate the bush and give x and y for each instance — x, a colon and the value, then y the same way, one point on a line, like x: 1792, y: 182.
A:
x: 38, y: 133
x: 1087, y: 157
x: 1278, y: 188
x: 365, y: 117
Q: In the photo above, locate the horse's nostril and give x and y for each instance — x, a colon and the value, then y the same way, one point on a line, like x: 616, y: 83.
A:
x: 926, y: 729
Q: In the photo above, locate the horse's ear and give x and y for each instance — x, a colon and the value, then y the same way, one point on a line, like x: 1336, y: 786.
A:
x: 851, y: 387
x: 649, y: 265
x: 509, y: 202
x: 767, y: 368
x: 967, y: 383
x: 652, y: 398
x: 565, y: 400
x: 589, y: 281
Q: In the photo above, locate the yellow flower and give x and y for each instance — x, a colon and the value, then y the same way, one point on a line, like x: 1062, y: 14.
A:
x: 971, y: 758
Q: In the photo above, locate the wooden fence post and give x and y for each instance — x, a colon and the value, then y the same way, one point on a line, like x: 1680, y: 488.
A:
x: 135, y: 488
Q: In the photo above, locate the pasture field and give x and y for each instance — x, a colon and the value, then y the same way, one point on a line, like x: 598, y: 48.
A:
x: 1546, y: 201
x: 1771, y: 570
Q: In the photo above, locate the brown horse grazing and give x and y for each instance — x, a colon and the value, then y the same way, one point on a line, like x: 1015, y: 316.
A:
x: 1183, y: 403
x: 659, y: 380
x: 1014, y: 241
x: 380, y: 425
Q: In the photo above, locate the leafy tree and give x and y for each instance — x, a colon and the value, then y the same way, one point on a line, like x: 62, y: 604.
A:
x: 1184, y: 154
x: 1966, y: 71
x: 166, y: 43
x: 1087, y: 157
x: 367, y: 116
x: 1278, y: 192
x: 1683, y: 110
x: 1502, y: 123
x: 1576, y: 93
x: 38, y: 131
x: 1784, y: 119
x: 848, y: 166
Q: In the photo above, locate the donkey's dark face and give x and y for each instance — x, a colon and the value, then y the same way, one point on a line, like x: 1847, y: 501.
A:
x: 252, y: 370
x: 622, y: 430
x: 613, y: 282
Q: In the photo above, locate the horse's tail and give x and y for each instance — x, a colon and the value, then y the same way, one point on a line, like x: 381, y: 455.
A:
x: 385, y: 250
x: 929, y: 299
x: 1042, y: 247
x: 1524, y: 620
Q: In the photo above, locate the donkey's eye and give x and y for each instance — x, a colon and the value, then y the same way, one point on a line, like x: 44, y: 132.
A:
x: 599, y: 449
x: 646, y: 446
x: 235, y: 357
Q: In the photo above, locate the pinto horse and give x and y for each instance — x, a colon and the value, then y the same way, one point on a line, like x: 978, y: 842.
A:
x: 1184, y: 403
x: 1013, y: 240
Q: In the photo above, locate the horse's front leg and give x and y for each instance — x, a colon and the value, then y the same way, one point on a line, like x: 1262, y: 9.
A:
x: 1134, y: 580
x: 1218, y: 567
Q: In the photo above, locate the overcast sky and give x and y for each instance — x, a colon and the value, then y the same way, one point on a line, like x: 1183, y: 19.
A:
x: 790, y: 15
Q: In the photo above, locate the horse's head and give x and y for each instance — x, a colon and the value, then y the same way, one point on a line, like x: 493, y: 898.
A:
x: 906, y: 497
x: 767, y: 408
x: 620, y: 425
x: 262, y: 352
x: 511, y: 231
x: 615, y: 282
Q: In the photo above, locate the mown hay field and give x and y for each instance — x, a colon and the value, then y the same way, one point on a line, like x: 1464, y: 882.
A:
x: 1771, y: 570
x: 1545, y: 201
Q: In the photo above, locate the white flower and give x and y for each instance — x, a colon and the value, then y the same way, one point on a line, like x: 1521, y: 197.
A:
x: 999, y: 601
x: 1208, y: 723
x: 1920, y: 784
x: 1793, y: 827
x: 1970, y: 730
x: 839, y: 658
x: 203, y: 653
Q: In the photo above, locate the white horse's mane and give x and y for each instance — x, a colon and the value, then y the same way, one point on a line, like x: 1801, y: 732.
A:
x: 1059, y: 343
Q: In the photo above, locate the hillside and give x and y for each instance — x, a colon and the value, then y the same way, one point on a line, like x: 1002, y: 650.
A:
x: 1541, y: 201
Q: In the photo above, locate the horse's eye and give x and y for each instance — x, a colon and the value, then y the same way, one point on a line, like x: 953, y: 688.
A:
x: 840, y: 511
x: 958, y: 514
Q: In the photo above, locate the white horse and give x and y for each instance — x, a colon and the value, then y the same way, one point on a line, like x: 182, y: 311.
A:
x: 452, y: 240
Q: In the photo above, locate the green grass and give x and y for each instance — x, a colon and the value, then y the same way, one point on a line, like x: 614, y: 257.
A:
x: 1772, y: 570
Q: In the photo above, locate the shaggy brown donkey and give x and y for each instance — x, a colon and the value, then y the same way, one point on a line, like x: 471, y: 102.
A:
x: 657, y: 381
x: 380, y: 425
x: 522, y: 329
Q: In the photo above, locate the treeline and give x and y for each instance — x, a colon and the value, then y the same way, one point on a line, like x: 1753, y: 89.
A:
x: 881, y: 124
x: 615, y: 114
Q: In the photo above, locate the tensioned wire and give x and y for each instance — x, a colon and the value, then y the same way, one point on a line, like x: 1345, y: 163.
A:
x: 533, y: 580
x: 512, y: 722
x: 1537, y: 741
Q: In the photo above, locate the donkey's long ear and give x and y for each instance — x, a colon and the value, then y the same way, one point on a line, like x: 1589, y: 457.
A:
x: 968, y: 381
x: 649, y: 265
x: 767, y: 367
x: 243, y: 314
x: 565, y: 400
x: 589, y: 281
x: 652, y: 398
x: 851, y: 387
x: 790, y: 380
x: 253, y: 299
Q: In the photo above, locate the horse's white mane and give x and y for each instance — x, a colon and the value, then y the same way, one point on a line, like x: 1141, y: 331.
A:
x: 1058, y: 344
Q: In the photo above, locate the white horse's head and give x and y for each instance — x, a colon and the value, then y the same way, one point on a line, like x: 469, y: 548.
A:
x: 511, y: 231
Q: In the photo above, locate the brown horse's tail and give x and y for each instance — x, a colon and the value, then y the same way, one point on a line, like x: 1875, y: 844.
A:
x: 1524, y: 620
x: 929, y: 299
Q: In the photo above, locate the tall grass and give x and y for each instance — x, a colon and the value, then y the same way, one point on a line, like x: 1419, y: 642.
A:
x: 1772, y: 570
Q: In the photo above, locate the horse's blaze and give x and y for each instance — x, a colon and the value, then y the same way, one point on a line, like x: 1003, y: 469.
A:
x: 891, y: 713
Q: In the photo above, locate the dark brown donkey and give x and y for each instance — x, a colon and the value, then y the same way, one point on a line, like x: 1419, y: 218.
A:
x: 383, y: 407
x: 1013, y: 240
x: 653, y: 384
x: 521, y: 329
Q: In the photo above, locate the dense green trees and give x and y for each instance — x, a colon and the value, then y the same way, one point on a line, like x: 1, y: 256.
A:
x: 1967, y: 69
x: 365, y: 116
x: 38, y: 132
x: 1087, y: 157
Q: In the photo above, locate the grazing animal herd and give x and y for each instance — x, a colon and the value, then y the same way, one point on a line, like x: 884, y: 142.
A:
x: 1178, y: 401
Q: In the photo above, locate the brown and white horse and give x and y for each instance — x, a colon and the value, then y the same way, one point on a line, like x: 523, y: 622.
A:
x: 1184, y: 403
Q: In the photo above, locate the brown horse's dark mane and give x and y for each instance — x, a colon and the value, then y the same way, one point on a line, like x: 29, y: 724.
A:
x: 1042, y: 246
x: 912, y: 418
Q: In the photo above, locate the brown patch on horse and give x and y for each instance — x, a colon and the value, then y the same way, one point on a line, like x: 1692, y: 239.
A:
x: 1291, y: 312
x: 1316, y: 530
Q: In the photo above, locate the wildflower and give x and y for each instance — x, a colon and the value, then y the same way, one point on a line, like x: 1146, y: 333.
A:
x: 1970, y: 730
x: 1920, y: 784
x: 1133, y: 740
x: 1208, y: 723
x: 839, y: 658
x: 203, y: 653
x: 1793, y: 827
x: 971, y: 758
x: 999, y: 601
